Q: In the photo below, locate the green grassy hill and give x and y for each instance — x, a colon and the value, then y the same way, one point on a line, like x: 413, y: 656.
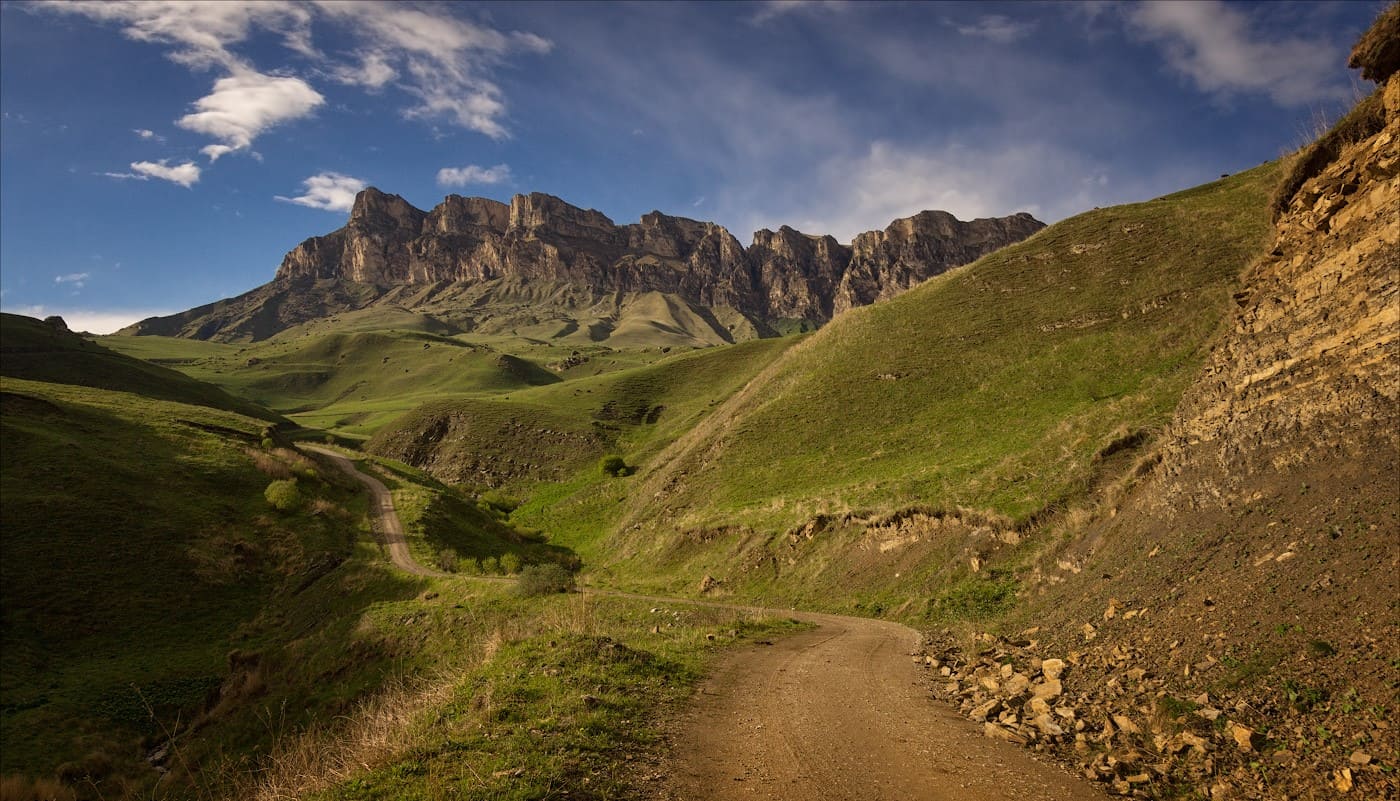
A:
x: 149, y: 589
x: 558, y: 431
x: 32, y: 349
x: 1008, y: 389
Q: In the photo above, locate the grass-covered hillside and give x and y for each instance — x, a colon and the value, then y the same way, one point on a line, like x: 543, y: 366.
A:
x: 1008, y: 389
x: 354, y: 372
x: 560, y: 431
x: 174, y: 628
x: 152, y: 589
x: 41, y: 351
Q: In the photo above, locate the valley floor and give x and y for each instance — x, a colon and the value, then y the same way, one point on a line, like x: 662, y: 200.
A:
x: 839, y: 711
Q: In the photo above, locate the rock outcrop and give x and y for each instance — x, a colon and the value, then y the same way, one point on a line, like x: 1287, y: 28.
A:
x: 1235, y: 607
x: 781, y: 275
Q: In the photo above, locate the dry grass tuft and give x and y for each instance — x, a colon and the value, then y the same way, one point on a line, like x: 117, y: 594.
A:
x: 379, y: 730
x: 268, y: 464
x: 1377, y: 52
x: 1365, y: 120
x: 22, y: 788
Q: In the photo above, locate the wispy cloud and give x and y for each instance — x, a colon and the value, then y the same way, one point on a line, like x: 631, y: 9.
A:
x: 770, y: 10
x: 78, y: 280
x: 148, y: 134
x: 186, y: 174
x: 443, y: 61
x: 1217, y: 48
x: 997, y: 28
x: 330, y: 191
x: 244, y: 105
x: 472, y: 174
x: 199, y: 34
x: 372, y: 73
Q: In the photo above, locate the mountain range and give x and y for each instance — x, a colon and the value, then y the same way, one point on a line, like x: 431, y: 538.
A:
x: 389, y: 251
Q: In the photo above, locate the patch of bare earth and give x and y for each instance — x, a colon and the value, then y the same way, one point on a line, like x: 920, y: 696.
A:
x: 841, y: 712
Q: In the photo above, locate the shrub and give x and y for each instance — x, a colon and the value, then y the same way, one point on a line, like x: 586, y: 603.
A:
x: 490, y: 566
x: 283, y: 495
x: 268, y: 444
x: 471, y: 566
x: 614, y: 465
x: 545, y: 579
x: 447, y: 560
x: 510, y: 563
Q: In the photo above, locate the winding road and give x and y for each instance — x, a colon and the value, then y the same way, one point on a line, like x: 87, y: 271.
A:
x: 384, y: 520
x: 836, y: 713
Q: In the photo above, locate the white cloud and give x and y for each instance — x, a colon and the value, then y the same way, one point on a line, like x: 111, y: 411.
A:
x: 93, y: 321
x: 373, y: 72
x: 867, y: 190
x: 244, y: 105
x: 147, y: 134
x: 200, y: 33
x: 472, y: 174
x: 774, y: 9
x: 328, y: 190
x: 1214, y: 45
x: 997, y: 28
x: 445, y: 59
x: 78, y: 280
x: 431, y: 53
x: 185, y: 175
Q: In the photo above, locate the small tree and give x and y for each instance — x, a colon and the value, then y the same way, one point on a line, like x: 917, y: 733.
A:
x: 614, y: 465
x: 283, y: 495
x: 490, y: 566
x: 447, y: 560
x: 545, y: 579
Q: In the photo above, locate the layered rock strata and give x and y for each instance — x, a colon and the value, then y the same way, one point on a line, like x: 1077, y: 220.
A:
x: 782, y: 275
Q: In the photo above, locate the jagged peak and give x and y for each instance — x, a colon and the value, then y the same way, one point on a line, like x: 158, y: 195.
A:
x: 371, y: 204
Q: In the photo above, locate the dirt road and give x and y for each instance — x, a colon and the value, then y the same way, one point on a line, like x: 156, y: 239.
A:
x: 383, y: 518
x: 838, y: 713
x: 842, y: 712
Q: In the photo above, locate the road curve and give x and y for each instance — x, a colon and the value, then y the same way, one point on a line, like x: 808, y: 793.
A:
x: 383, y: 519
x: 842, y: 713
x: 836, y: 713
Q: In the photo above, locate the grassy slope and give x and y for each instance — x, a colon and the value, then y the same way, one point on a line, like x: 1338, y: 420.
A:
x: 992, y: 386
x: 31, y: 349
x: 142, y: 566
x: 137, y: 550
x: 996, y: 387
x: 558, y: 432
x: 139, y: 553
x: 346, y: 375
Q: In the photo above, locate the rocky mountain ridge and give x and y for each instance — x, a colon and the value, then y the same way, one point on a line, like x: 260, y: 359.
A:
x: 783, y: 274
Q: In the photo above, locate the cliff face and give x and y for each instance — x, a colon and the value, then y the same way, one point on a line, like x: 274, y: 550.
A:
x: 782, y: 275
x: 1263, y: 552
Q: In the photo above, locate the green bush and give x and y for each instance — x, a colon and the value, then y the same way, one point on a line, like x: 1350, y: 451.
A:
x: 268, y: 444
x: 490, y: 566
x: 469, y: 566
x: 545, y: 579
x: 510, y: 563
x: 284, y: 495
x: 447, y: 560
x: 614, y: 465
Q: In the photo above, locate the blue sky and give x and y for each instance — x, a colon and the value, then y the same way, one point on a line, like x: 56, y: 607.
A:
x: 157, y: 156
